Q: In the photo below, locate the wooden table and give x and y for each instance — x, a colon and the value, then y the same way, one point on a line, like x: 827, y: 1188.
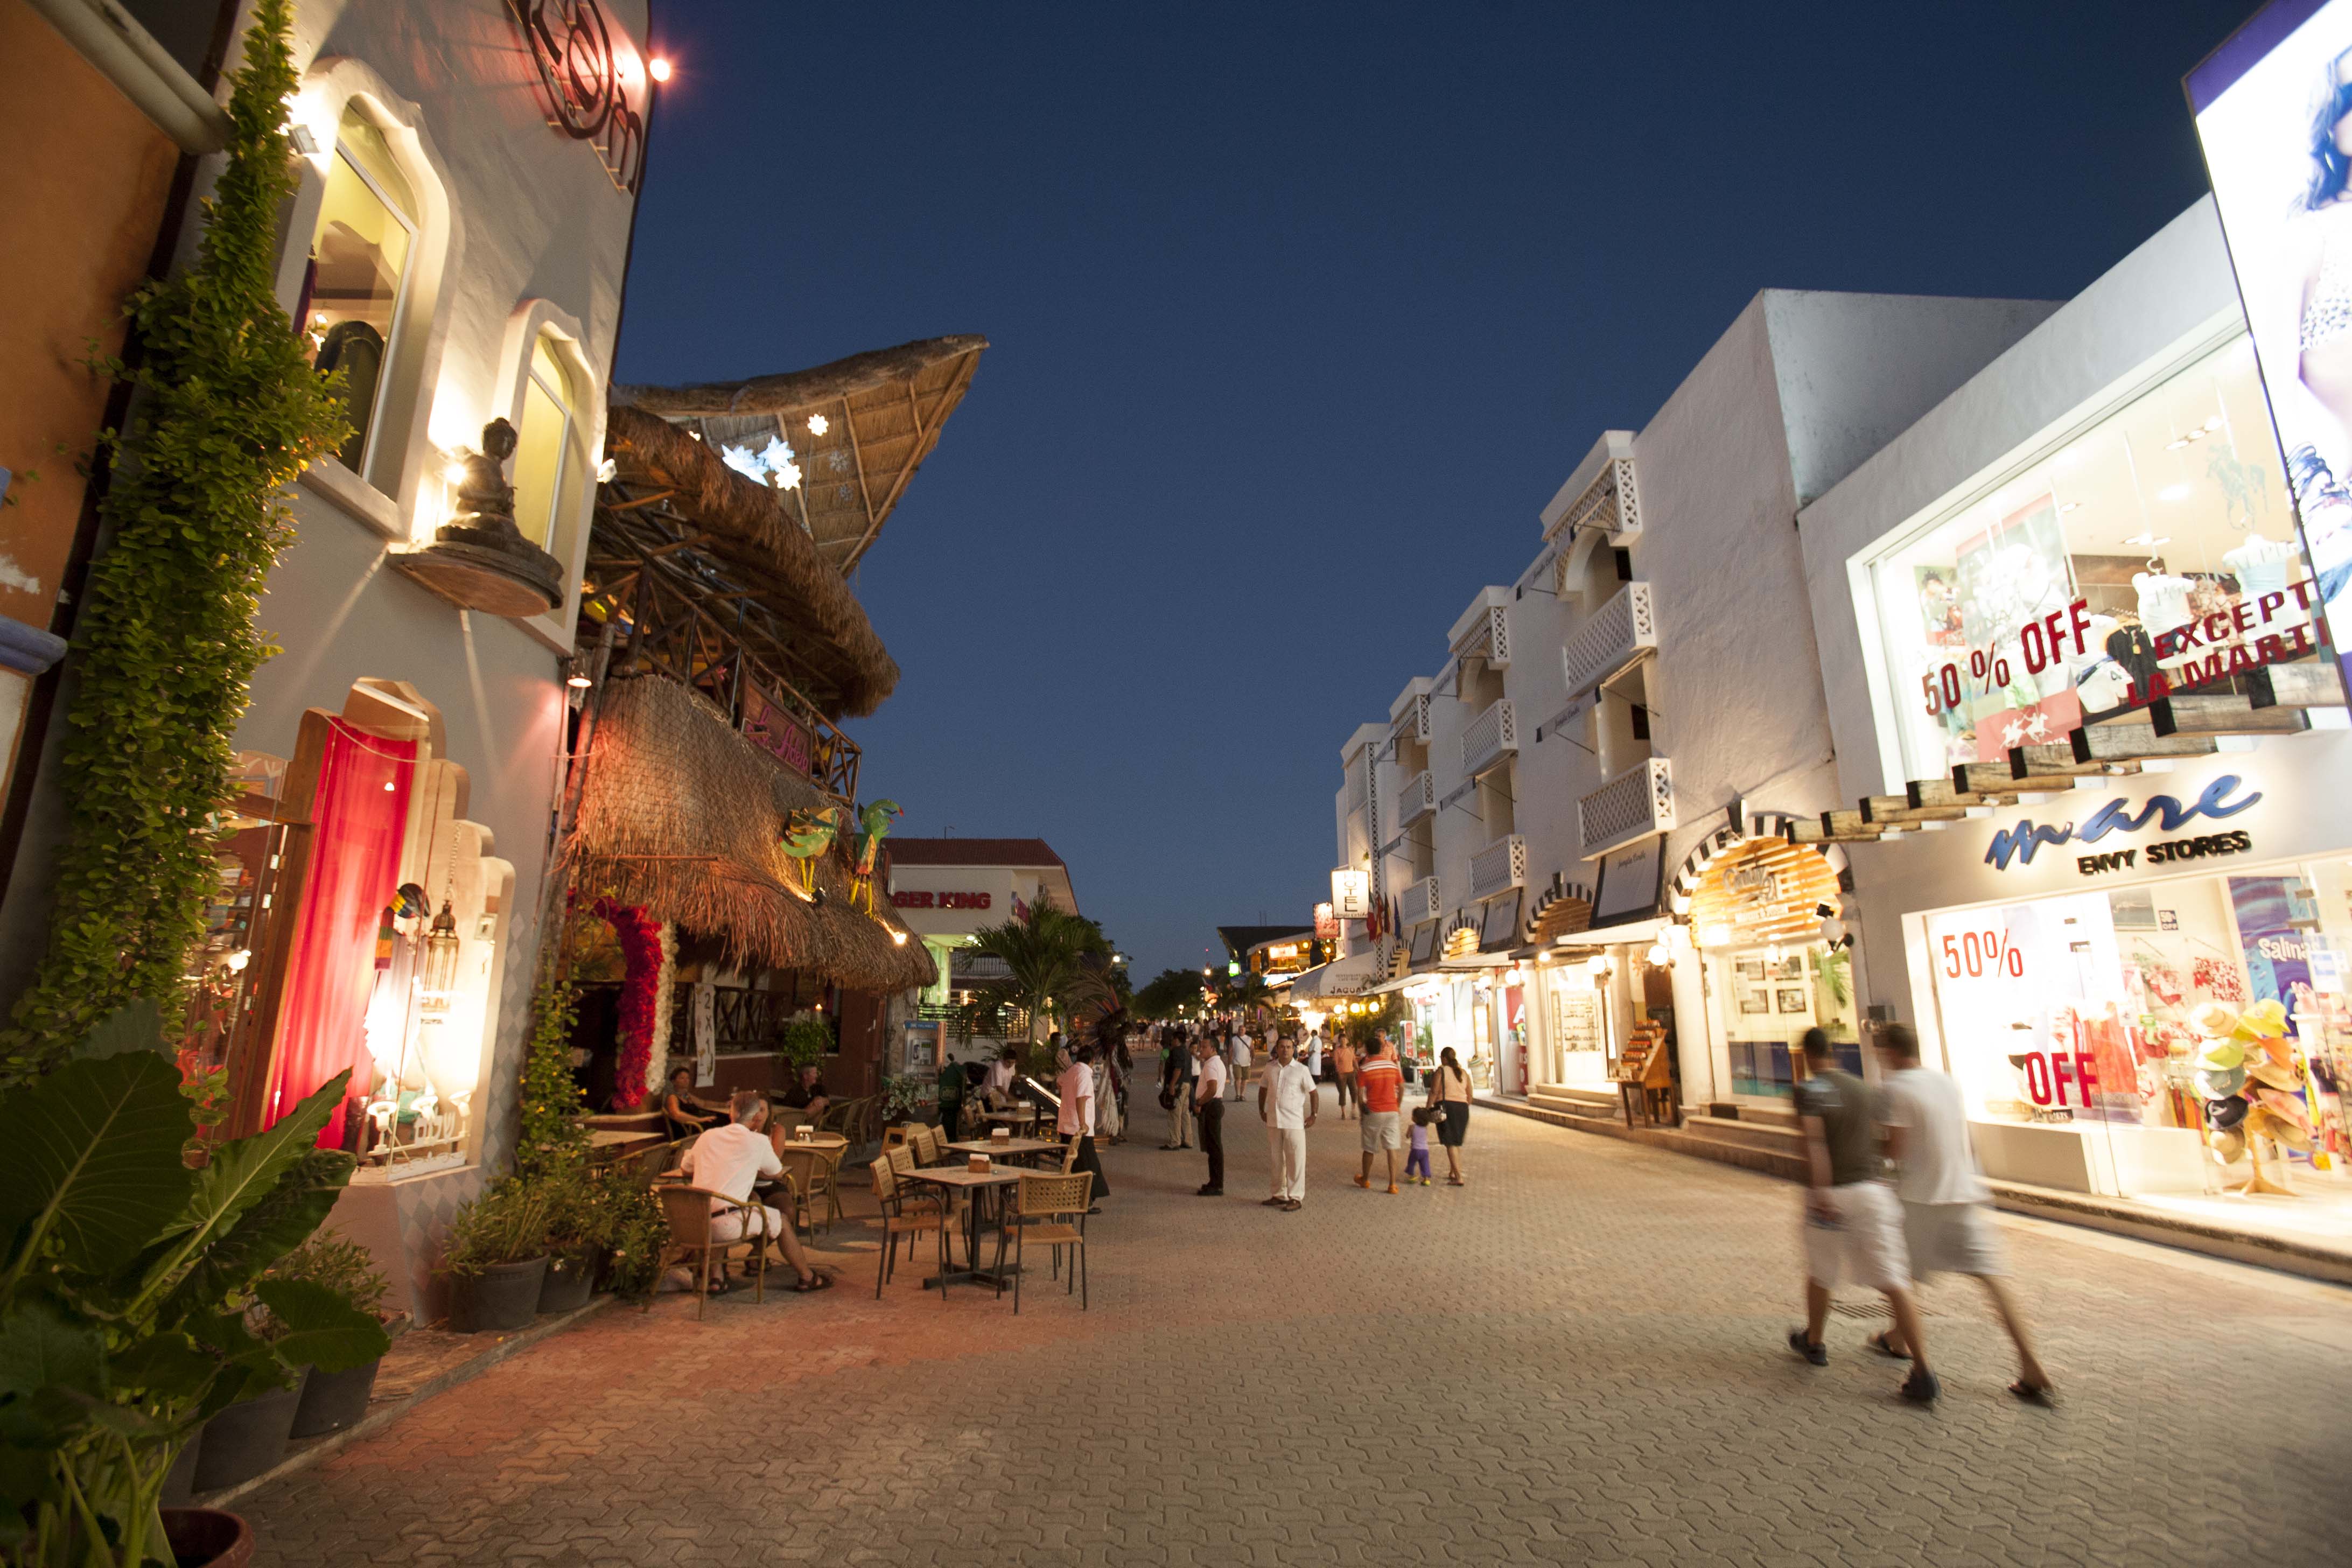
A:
x: 1007, y: 1148
x: 971, y: 1182
x: 1018, y: 1113
x: 607, y: 1144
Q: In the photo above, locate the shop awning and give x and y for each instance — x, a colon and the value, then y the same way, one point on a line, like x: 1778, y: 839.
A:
x: 1340, y: 977
x: 1632, y: 932
x: 683, y: 816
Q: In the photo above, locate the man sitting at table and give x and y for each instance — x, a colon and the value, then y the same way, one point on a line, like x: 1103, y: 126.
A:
x: 726, y: 1161
x: 809, y: 1094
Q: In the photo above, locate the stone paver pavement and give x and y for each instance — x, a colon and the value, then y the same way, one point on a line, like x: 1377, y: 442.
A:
x: 1576, y: 1359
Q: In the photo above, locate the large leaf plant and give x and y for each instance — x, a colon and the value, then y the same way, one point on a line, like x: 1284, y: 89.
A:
x: 131, y: 1286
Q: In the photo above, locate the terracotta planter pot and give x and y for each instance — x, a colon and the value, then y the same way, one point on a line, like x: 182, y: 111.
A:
x: 207, y: 1538
x: 246, y: 1438
x: 333, y: 1400
x: 503, y: 1296
x: 568, y: 1283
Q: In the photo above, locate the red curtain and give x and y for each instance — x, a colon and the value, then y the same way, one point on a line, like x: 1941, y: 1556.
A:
x: 360, y: 811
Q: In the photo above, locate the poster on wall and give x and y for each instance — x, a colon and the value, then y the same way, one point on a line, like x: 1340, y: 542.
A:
x: 2273, y: 108
x: 706, y: 1034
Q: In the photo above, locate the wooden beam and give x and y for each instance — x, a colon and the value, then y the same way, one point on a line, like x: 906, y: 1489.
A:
x: 2130, y: 741
x: 2223, y: 715
x: 925, y: 437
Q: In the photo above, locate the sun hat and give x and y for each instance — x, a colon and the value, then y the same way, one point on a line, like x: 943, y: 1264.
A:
x: 2263, y: 1021
x: 2222, y: 1114
x: 2219, y: 1056
x: 2229, y: 1147
x: 2275, y: 1075
x: 2221, y: 1083
x: 2213, y: 1019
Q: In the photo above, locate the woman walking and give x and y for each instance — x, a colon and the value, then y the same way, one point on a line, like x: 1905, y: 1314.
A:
x: 1449, y: 1097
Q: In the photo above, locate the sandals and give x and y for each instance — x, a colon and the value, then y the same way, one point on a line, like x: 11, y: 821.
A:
x: 2040, y: 1393
x: 1877, y: 1341
x: 818, y: 1280
x: 1454, y: 1182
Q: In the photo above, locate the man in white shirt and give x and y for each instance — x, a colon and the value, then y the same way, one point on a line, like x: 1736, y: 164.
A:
x: 1076, y: 1088
x: 1209, y: 1106
x: 725, y: 1161
x: 999, y: 1087
x: 1288, y: 1100
x: 1315, y: 1055
x: 1240, y: 1061
x: 1946, y: 1204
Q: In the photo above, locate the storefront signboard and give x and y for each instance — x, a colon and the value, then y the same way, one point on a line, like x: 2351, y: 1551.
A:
x: 2272, y: 105
x: 1629, y: 883
x: 933, y: 899
x: 1327, y: 925
x: 1351, y: 893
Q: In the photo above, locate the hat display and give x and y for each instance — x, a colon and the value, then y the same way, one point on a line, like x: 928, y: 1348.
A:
x: 2274, y: 1075
x: 2221, y: 1054
x: 2213, y: 1019
x: 2219, y: 1084
x: 2263, y: 1021
x: 2223, y: 1114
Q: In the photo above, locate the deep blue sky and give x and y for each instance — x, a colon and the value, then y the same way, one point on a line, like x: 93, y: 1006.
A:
x: 1299, y: 314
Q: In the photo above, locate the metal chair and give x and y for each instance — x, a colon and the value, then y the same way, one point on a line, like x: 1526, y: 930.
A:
x: 691, y: 1211
x: 907, y: 1214
x: 1043, y: 1209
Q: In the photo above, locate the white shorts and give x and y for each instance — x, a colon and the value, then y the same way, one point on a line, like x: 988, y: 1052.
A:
x: 1866, y: 1247
x: 1955, y: 1238
x: 1382, y: 1130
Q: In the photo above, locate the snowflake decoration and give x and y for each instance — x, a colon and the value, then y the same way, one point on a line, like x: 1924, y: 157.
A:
x: 772, y: 464
x: 819, y: 423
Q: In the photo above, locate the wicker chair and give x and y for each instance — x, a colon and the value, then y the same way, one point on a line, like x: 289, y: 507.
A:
x: 1044, y: 1207
x: 909, y: 1214
x: 690, y: 1211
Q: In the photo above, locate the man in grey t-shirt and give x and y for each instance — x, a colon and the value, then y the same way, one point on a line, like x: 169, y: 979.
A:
x: 1853, y: 1228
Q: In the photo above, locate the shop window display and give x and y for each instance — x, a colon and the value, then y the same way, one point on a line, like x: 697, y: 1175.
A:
x: 1767, y: 997
x: 2155, y: 551
x: 2194, y: 1035
x: 1583, y: 1045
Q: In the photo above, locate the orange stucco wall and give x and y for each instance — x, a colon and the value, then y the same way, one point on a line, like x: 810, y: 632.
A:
x: 81, y: 193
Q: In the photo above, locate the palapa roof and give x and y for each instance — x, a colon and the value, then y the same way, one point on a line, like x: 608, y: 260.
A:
x: 681, y: 815
x: 674, y: 502
x: 881, y: 413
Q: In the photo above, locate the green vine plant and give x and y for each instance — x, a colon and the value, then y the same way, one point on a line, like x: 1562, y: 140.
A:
x: 552, y: 1138
x: 228, y: 411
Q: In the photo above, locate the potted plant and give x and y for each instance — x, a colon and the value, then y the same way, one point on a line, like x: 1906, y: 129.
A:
x: 497, y: 1258
x: 125, y: 1282
x: 576, y: 1239
x: 333, y: 1400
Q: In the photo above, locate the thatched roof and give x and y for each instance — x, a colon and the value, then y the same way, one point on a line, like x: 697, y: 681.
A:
x: 675, y: 498
x: 881, y: 411
x: 681, y: 814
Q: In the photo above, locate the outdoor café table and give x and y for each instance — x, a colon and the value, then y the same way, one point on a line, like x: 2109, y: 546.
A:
x: 1018, y: 1113
x: 962, y: 1178
x: 1008, y: 1147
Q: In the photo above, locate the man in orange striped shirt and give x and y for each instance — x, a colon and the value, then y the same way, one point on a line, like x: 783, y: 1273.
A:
x: 1380, y: 1094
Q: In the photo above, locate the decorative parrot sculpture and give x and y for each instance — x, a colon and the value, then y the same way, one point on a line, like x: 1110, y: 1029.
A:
x: 808, y: 835
x: 874, y: 826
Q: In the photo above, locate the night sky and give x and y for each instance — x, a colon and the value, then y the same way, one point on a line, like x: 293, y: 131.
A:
x: 1299, y: 314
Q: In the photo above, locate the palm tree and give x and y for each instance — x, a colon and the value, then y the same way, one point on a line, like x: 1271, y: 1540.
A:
x: 1053, y: 962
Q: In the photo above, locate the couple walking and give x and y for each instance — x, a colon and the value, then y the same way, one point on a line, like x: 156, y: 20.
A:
x: 1933, y: 1219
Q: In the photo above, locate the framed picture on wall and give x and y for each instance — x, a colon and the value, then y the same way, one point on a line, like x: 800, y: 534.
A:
x: 1791, y: 968
x: 1791, y: 998
x: 1748, y: 968
x: 1755, y: 1002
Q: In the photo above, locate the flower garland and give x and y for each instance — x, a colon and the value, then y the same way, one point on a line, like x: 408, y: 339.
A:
x: 657, y: 1059
x: 642, y: 957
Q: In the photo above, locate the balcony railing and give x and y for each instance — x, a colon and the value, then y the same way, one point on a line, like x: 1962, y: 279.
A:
x: 1418, y: 800
x: 1420, y: 903
x: 1498, y: 868
x: 1610, y: 639
x: 1632, y: 806
x: 1492, y: 740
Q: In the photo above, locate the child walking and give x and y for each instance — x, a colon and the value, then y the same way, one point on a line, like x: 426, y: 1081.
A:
x: 1418, y: 1161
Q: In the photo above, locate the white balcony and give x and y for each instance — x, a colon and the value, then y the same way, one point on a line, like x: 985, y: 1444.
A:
x: 1601, y: 494
x: 1492, y: 740
x: 1420, y: 905
x: 1498, y: 868
x: 1635, y: 805
x: 1610, y: 640
x: 1418, y: 801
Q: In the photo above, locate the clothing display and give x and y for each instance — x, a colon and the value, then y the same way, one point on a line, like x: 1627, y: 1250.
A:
x: 2163, y: 601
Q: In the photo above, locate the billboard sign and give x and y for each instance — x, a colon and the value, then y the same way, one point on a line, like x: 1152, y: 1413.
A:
x: 2273, y: 107
x: 1351, y: 893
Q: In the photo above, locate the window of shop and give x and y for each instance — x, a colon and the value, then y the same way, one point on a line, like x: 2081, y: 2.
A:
x: 2123, y: 1034
x: 1583, y: 1046
x: 360, y: 258
x: 1757, y: 914
x: 2155, y: 550
x: 550, y: 458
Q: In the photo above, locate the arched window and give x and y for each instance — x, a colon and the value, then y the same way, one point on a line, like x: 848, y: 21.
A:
x: 550, y: 457
x: 361, y: 257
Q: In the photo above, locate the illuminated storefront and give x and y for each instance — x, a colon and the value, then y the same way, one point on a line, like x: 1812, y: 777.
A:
x: 1756, y: 915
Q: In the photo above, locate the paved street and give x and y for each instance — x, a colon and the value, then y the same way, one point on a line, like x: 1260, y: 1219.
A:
x: 1577, y: 1359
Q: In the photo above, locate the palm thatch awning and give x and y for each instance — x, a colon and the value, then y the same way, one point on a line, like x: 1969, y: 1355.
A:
x: 681, y: 815
x: 858, y: 428
x: 673, y: 507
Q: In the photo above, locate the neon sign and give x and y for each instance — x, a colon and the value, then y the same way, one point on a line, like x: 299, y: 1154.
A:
x: 2018, y: 843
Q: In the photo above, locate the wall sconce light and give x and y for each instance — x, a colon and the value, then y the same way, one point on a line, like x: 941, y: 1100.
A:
x: 1659, y: 957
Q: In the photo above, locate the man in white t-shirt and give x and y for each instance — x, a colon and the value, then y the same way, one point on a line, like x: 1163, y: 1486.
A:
x: 1240, y: 1061
x: 1076, y: 1088
x: 1209, y: 1107
x: 725, y: 1161
x: 1315, y: 1055
x: 1288, y: 1100
x: 1946, y: 1219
